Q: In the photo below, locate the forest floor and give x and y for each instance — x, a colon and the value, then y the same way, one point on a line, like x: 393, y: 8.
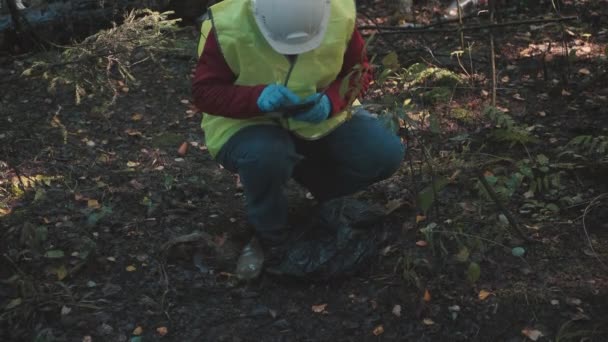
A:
x: 103, y: 190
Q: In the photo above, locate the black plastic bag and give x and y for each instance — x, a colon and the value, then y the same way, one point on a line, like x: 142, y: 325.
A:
x: 339, y: 243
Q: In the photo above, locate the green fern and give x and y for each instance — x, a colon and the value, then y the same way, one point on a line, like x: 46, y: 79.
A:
x: 588, y: 147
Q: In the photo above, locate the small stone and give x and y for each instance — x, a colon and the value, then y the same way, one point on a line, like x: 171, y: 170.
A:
x: 105, y: 329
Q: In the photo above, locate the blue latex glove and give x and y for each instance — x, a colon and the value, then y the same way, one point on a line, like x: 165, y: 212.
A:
x: 319, y: 112
x: 275, y: 96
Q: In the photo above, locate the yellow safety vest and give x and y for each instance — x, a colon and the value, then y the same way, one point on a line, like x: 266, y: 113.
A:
x: 254, y: 62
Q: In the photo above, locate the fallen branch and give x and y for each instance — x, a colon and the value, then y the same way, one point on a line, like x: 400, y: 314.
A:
x: 502, y: 208
x: 415, y: 30
x: 591, y: 204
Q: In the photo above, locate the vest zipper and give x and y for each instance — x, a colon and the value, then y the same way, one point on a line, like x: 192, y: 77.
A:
x: 292, y: 63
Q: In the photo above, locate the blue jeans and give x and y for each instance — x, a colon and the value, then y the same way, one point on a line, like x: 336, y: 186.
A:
x: 355, y: 155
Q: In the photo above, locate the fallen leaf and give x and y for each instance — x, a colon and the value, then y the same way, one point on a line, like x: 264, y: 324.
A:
x: 137, y: 116
x: 427, y: 296
x: 162, y: 331
x: 138, y: 331
x: 319, y: 308
x: 93, y: 204
x: 183, y: 149
x: 584, y: 71
x: 132, y: 164
x: 483, y: 294
x: 137, y: 185
x: 133, y: 132
x: 428, y: 321
x: 112, y: 259
x: 554, y: 302
x: 379, y: 330
x: 454, y: 308
x: 397, y: 310
x: 65, y: 310
x: 393, y: 205
x: 13, y: 304
x: 532, y: 334
x: 518, y: 97
x: 184, y: 101
x: 131, y: 268
x: 473, y: 272
x: 61, y: 272
x: 420, y: 218
x: 54, y: 254
x: 421, y: 243
x: 125, y: 89
x: 463, y: 254
x: 566, y: 93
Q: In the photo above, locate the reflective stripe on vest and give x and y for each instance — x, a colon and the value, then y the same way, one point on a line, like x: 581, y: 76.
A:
x: 254, y: 62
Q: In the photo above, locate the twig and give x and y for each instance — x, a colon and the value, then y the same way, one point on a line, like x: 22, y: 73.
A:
x: 591, y: 204
x: 413, y: 30
x: 502, y: 208
x: 460, y: 25
x: 493, y: 54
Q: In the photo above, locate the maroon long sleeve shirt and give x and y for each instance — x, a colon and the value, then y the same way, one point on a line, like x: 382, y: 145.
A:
x: 214, y: 91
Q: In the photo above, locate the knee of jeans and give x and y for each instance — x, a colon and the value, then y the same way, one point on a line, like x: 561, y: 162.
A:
x: 385, y: 161
x: 274, y: 162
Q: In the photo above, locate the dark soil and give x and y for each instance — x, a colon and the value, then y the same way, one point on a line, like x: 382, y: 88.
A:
x: 121, y: 191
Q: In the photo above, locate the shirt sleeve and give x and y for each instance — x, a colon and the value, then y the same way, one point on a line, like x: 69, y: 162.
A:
x: 354, y: 55
x: 213, y: 87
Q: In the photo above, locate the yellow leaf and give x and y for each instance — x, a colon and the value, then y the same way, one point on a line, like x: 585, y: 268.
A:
x: 427, y: 296
x: 61, y: 272
x: 391, y: 60
x: 379, y: 330
x: 138, y: 331
x: 93, y: 203
x: 483, y: 294
x: 132, y: 164
x: 319, y: 308
x: 131, y: 268
x: 162, y: 331
x: 420, y: 218
x: 137, y: 116
x: 428, y: 321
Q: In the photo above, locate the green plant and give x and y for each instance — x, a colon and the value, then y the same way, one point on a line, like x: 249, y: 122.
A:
x: 102, y: 63
x: 506, y: 130
x: 587, y: 148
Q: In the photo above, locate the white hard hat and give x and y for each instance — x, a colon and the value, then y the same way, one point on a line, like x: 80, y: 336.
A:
x: 292, y: 27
